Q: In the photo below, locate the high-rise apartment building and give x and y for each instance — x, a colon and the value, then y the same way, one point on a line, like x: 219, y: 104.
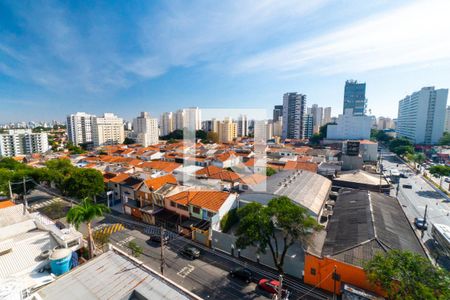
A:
x: 167, y: 123
x: 192, y: 118
x: 179, y: 119
x: 79, y: 128
x: 146, y: 129
x: 293, y: 115
x: 278, y: 127
x: 317, y: 116
x: 309, y: 125
x: 447, y: 120
x: 355, y: 97
x: 242, y: 126
x: 277, y: 112
x: 107, y: 130
x: 263, y: 131
x: 326, y: 115
x: 421, y: 116
x: 227, y: 130
x: 385, y: 123
x: 23, y: 141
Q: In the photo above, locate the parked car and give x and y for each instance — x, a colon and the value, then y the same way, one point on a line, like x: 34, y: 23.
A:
x: 420, y: 224
x: 242, y: 274
x: 157, y: 239
x: 403, y: 175
x: 447, y: 180
x: 407, y: 186
x: 191, y: 252
x: 271, y: 286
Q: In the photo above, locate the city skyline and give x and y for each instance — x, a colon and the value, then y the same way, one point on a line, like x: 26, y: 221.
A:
x: 75, y: 62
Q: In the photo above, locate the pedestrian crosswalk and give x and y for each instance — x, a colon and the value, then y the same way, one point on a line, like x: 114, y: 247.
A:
x: 41, y: 204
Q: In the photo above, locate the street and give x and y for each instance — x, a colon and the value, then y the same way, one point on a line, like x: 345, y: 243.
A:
x: 415, y: 199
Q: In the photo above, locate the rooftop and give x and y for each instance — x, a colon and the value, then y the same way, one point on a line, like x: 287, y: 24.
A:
x: 364, y: 223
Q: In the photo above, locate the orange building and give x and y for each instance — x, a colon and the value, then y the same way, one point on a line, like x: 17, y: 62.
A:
x: 363, y: 224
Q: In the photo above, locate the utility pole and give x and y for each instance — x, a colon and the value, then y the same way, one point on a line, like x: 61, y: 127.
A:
x: 162, y: 250
x: 280, y: 288
x: 10, y: 191
x: 334, y: 283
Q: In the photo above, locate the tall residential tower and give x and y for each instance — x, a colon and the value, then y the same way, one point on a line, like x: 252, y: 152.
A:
x: 293, y: 116
x: 355, y: 97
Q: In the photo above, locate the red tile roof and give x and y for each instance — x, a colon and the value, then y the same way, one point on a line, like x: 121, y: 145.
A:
x: 295, y: 165
x: 155, y: 183
x: 210, y: 200
x: 165, y: 166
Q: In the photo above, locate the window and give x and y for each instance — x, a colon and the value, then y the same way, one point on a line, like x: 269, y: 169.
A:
x: 196, y: 210
x: 173, y: 204
x: 211, y: 214
x: 313, y: 271
x: 182, y: 207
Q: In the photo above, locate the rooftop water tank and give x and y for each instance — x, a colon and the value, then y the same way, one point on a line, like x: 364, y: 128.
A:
x: 60, y: 261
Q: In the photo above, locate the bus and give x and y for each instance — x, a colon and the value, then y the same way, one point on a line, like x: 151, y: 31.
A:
x: 441, y: 234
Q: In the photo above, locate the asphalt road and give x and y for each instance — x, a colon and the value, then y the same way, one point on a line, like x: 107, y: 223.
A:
x: 415, y: 200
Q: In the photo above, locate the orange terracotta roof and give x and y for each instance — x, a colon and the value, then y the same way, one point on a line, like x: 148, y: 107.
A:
x: 135, y: 162
x: 254, y: 179
x: 156, y: 183
x: 250, y: 163
x: 304, y: 158
x: 160, y: 165
x: 366, y: 142
x: 210, y: 200
x: 302, y: 150
x: 108, y: 176
x: 214, y: 172
x: 295, y: 165
x: 5, y: 204
x: 119, y: 178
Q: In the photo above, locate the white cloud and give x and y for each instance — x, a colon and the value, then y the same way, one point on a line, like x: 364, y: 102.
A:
x: 414, y: 34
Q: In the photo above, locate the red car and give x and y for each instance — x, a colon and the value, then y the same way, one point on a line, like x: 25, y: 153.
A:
x: 270, y: 286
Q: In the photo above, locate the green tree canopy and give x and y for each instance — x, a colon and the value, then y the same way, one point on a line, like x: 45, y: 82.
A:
x: 276, y: 226
x: 128, y: 141
x: 445, y: 139
x: 406, y: 275
x: 212, y: 137
x: 270, y: 171
x: 84, y: 183
x: 200, y: 134
x: 177, y: 134
x: 86, y: 212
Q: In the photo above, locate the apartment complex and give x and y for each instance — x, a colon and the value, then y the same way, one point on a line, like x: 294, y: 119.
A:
x: 167, y: 123
x: 79, y: 128
x: 22, y: 141
x: 242, y: 126
x: 146, y: 129
x: 227, y: 130
x: 293, y: 115
x: 421, y: 115
x: 326, y: 115
x: 355, y: 97
x: 350, y: 127
x: 263, y: 131
x: 277, y: 112
x: 385, y: 123
x: 107, y: 130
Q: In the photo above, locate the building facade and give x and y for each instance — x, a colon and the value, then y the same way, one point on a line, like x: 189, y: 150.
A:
x: 192, y: 118
x: 350, y: 127
x: 167, y: 123
x: 277, y: 112
x: 79, y: 128
x: 421, y: 116
x: 107, y: 130
x: 355, y: 97
x: 227, y: 130
x: 447, y: 120
x: 146, y: 130
x: 309, y: 126
x: 293, y: 115
x: 242, y: 126
x: 23, y: 141
x: 326, y: 115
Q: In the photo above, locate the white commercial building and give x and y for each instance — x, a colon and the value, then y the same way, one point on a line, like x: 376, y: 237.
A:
x: 421, y: 116
x: 107, y: 130
x: 23, y: 141
x: 192, y: 118
x: 79, y: 128
x: 146, y: 130
x: 167, y: 123
x: 350, y: 127
x: 242, y: 126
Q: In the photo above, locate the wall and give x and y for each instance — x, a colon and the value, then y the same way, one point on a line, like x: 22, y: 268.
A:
x: 325, y: 266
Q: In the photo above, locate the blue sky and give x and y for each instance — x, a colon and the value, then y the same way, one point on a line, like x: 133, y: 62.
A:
x: 129, y: 56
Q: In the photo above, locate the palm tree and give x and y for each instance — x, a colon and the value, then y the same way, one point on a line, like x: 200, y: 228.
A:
x: 86, y: 212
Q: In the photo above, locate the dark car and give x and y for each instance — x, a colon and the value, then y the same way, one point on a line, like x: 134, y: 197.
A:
x: 191, y: 252
x: 242, y: 274
x: 157, y: 239
x: 403, y: 175
x: 407, y: 186
x: 420, y: 223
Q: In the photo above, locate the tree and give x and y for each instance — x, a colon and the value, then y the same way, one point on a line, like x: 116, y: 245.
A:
x: 74, y: 149
x: 276, y: 226
x: 128, y: 141
x: 440, y: 171
x: 200, y: 134
x: 177, y: 134
x: 212, y: 137
x: 315, y: 139
x: 406, y: 275
x: 401, y: 146
x: 84, y: 183
x: 403, y: 150
x: 270, y: 171
x: 86, y: 212
x: 136, y: 250
x: 445, y: 139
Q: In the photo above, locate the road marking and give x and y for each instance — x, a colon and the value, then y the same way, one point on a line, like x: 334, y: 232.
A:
x: 185, y: 271
x: 125, y: 241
